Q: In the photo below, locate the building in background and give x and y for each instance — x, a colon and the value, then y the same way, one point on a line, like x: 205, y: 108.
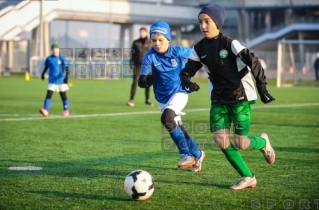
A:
x: 258, y: 24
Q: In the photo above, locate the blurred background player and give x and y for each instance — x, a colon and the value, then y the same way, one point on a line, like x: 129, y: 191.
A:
x: 58, y: 68
x: 232, y: 92
x: 161, y: 66
x: 316, y: 65
x: 139, y: 47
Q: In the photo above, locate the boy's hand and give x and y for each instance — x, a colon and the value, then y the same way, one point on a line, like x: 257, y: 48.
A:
x: 191, y: 87
x: 42, y: 77
x: 266, y: 97
x: 65, y: 81
x: 149, y: 80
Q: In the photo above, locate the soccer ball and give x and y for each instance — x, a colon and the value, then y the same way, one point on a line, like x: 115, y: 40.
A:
x: 139, y: 185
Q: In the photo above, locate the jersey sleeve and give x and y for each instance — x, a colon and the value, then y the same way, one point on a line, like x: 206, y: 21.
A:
x: 246, y: 58
x: 47, y: 62
x: 146, y: 67
x: 193, y: 64
x: 184, y: 52
x: 64, y: 61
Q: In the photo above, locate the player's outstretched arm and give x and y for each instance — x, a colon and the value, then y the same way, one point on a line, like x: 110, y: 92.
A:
x: 251, y: 60
x: 44, y: 71
x: 67, y: 70
x: 187, y: 73
x: 146, y: 79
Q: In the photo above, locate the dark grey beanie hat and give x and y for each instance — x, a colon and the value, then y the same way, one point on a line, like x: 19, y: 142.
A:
x: 216, y: 12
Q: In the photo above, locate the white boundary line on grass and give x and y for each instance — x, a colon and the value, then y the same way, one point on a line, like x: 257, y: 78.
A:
x: 18, y: 115
x: 145, y: 112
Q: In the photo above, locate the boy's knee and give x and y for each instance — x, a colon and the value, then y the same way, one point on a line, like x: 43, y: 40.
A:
x: 49, y: 94
x: 241, y: 142
x: 63, y: 96
x: 222, y: 139
x: 168, y: 119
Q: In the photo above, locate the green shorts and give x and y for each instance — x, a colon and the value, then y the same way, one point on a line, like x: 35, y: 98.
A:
x: 222, y: 117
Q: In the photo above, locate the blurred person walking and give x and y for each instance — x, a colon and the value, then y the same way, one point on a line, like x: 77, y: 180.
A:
x: 139, y: 47
x: 316, y: 65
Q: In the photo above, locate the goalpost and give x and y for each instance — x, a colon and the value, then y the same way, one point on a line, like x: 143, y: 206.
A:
x: 36, y: 66
x: 295, y: 61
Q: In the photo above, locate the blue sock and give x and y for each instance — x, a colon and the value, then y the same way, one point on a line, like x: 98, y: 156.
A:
x: 47, y: 103
x: 66, y: 104
x: 193, y: 148
x: 179, y: 139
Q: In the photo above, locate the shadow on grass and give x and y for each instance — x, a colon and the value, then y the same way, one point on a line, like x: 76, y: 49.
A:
x: 80, y: 195
x: 118, y: 166
x: 203, y: 183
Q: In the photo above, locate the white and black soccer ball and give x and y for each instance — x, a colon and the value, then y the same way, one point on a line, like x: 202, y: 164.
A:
x: 139, y: 185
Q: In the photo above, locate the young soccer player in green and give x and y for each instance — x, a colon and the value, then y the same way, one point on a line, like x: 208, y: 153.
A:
x: 230, y: 67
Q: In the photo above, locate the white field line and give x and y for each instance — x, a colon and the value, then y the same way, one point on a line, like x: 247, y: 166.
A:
x: 18, y: 115
x: 144, y: 112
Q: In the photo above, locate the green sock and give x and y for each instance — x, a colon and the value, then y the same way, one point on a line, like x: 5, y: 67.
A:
x: 235, y: 159
x: 256, y: 142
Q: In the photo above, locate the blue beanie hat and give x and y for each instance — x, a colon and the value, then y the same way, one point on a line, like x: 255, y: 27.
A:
x: 161, y: 27
x: 216, y: 12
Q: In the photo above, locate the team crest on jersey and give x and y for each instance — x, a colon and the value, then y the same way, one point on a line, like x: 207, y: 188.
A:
x: 223, y: 53
x: 174, y: 62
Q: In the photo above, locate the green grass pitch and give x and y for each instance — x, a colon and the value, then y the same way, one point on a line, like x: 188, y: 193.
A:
x: 86, y: 156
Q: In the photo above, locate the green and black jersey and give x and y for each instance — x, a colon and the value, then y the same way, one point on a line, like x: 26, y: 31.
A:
x: 230, y: 66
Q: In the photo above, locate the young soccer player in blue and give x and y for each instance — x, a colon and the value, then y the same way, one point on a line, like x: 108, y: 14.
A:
x: 161, y: 67
x: 58, y: 68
